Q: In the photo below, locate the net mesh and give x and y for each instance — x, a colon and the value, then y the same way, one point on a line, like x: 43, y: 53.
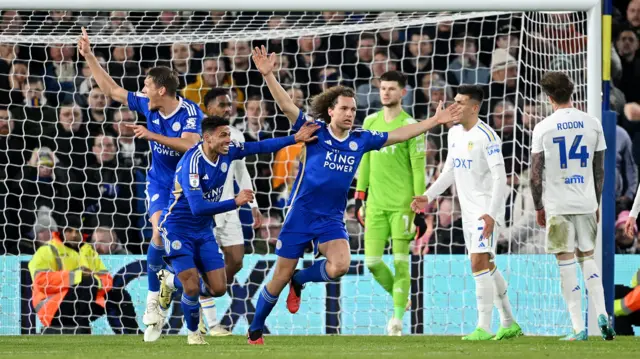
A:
x: 68, y: 153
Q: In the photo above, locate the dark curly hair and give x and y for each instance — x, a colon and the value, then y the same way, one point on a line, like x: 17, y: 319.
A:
x: 321, y: 103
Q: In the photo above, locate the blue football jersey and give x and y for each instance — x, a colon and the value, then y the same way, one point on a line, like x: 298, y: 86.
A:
x: 197, y: 179
x: 327, y: 168
x: 186, y: 118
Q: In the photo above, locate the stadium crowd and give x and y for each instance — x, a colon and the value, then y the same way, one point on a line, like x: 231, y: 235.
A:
x: 66, y: 152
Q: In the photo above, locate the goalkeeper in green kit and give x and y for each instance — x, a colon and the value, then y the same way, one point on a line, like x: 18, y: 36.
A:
x: 392, y: 176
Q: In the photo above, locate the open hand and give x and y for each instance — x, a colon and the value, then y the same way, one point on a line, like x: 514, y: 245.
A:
x: 452, y: 114
x: 305, y: 134
x: 489, y: 224
x: 84, y: 46
x: 245, y: 196
x: 141, y: 132
x: 630, y: 227
x: 541, y: 218
x: 264, y: 62
x: 257, y: 217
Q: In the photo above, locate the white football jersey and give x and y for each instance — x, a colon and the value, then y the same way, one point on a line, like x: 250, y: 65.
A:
x: 471, y: 156
x: 568, y: 138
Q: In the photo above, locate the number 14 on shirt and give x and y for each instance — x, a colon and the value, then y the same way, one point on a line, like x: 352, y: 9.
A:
x: 582, y: 155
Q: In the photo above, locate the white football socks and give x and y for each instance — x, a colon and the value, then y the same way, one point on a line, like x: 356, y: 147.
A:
x: 208, y: 306
x: 484, y: 298
x: 152, y: 296
x: 571, y: 292
x: 593, y: 282
x: 500, y: 298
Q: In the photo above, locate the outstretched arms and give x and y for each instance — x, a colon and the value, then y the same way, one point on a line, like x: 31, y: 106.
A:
x: 265, y: 64
x: 105, y: 82
x: 442, y: 116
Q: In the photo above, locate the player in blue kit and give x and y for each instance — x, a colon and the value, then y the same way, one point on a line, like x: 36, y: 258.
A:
x: 173, y: 126
x: 187, y: 224
x: 319, y: 194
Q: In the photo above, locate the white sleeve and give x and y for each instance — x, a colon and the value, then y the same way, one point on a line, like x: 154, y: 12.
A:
x: 243, y: 178
x: 499, y: 177
x: 446, y: 178
x: 602, y: 143
x: 536, y: 139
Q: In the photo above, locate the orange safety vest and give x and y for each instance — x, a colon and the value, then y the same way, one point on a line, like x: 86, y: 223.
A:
x: 55, y: 268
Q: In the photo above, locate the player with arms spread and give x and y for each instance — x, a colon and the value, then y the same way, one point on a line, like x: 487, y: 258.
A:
x: 567, y: 160
x: 393, y: 176
x: 228, y: 230
x: 320, y: 191
x: 475, y: 165
x: 173, y: 126
x: 187, y: 225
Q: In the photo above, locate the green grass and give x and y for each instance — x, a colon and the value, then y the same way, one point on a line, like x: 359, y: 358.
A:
x: 326, y: 347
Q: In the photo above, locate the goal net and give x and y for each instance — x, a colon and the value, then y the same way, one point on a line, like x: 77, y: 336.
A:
x: 67, y: 152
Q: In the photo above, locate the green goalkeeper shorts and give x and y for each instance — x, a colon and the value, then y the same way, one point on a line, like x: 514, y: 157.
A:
x: 381, y: 225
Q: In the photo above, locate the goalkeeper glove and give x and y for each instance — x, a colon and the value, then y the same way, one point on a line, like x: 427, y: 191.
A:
x: 360, y: 198
x: 421, y: 225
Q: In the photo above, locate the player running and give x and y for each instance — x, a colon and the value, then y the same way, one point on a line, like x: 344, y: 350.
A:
x: 567, y: 160
x: 173, y: 126
x: 475, y: 165
x: 319, y: 197
x: 228, y: 229
x: 187, y: 224
x: 393, y: 176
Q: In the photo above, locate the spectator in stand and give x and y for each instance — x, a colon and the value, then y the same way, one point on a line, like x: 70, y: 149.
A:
x: 61, y: 70
x: 504, y: 76
x: 38, y: 184
x: 58, y: 22
x: 390, y: 39
x: 13, y: 149
x: 508, y: 39
x: 246, y: 79
x: 626, y: 241
x: 526, y: 236
x: 308, y: 62
x: 118, y: 25
x: 11, y: 23
x: 72, y: 287
x: 108, y: 189
x: 214, y: 75
x: 429, y: 96
x: 84, y: 81
x: 68, y: 138
x: 359, y: 67
x: 256, y: 125
x: 627, y: 45
x: 105, y: 241
x: 448, y: 237
x: 417, y: 59
x: 515, y: 141
x: 96, y: 113
x: 626, y: 171
x: 442, y: 47
x: 633, y: 14
x: 422, y: 94
x: 44, y: 228
x: 368, y: 95
x: 123, y: 69
x: 180, y: 62
x: 11, y: 86
x: 134, y: 151
x: 466, y: 68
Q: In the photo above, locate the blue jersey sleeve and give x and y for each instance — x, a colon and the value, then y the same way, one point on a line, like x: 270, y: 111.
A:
x: 373, y: 140
x: 193, y: 122
x: 238, y: 150
x: 138, y: 102
x: 302, y: 119
x: 189, y: 178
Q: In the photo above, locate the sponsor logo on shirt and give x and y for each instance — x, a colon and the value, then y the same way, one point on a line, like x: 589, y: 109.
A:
x: 462, y: 163
x: 575, y: 179
x: 493, y: 149
x: 194, y: 180
x: 214, y: 194
x: 156, y: 122
x: 191, y: 124
x: 339, y: 162
x: 164, y: 150
x: 469, y: 146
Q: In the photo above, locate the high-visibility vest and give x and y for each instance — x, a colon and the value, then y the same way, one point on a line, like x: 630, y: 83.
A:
x: 55, y: 268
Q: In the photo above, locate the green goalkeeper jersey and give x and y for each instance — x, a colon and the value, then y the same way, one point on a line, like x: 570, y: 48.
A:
x: 396, y: 173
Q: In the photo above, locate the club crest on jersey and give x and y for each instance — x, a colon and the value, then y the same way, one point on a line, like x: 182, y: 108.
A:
x: 194, y: 179
x: 469, y: 146
x: 176, y: 245
x: 353, y: 146
x: 176, y: 126
x: 223, y: 167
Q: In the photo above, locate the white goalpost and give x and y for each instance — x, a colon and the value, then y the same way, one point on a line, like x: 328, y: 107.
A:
x: 505, y: 46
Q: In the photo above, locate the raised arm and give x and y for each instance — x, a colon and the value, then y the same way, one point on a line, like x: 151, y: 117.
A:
x: 265, y: 64
x: 244, y: 149
x: 442, y: 116
x: 105, y: 82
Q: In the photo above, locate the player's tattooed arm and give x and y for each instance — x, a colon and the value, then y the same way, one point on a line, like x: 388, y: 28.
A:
x: 598, y: 173
x: 537, y: 168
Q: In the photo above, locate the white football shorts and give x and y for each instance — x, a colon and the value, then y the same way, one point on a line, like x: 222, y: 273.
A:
x: 567, y: 232
x: 228, y: 229
x: 476, y: 242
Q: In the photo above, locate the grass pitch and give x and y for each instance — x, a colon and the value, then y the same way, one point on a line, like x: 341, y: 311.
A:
x: 326, y: 347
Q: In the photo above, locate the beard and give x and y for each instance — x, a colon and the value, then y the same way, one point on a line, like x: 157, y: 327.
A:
x: 391, y: 103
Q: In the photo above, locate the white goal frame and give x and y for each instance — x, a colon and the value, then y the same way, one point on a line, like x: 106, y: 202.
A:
x: 592, y: 7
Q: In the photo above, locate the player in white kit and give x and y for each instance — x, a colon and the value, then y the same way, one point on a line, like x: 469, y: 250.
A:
x: 228, y: 228
x: 475, y: 165
x: 567, y: 161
